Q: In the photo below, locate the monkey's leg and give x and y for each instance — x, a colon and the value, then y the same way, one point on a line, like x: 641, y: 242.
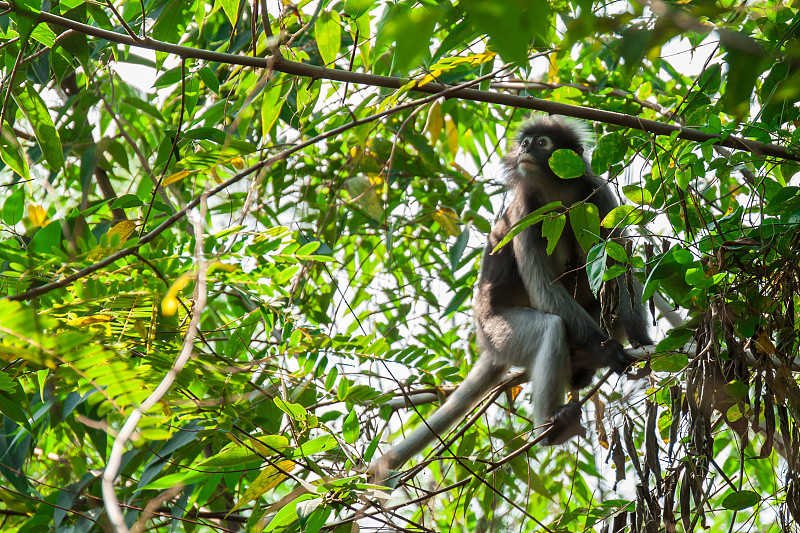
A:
x: 535, y: 340
x: 482, y: 378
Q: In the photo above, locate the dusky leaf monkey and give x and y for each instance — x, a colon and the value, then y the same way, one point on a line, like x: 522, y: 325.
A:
x: 533, y: 309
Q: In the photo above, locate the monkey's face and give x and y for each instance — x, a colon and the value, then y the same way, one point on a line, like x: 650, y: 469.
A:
x: 533, y: 154
x: 528, y: 162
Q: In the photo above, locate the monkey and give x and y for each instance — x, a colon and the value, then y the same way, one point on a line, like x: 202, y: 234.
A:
x: 535, y: 310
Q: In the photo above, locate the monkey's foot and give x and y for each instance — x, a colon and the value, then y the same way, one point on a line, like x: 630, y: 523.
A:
x: 610, y: 353
x: 566, y: 424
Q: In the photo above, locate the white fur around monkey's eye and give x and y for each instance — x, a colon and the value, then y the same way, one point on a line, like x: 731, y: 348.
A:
x: 545, y: 142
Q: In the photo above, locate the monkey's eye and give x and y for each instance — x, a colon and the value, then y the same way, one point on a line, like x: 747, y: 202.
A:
x: 525, y: 142
x: 544, y: 142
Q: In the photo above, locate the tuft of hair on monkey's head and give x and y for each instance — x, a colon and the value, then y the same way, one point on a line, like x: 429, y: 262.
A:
x: 538, y: 138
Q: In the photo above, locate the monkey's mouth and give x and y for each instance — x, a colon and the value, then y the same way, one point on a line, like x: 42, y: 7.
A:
x: 527, y: 164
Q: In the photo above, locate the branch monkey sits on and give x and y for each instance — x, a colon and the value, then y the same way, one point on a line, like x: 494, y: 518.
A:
x: 535, y: 310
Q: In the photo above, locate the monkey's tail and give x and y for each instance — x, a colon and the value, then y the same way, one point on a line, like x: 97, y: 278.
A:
x: 484, y: 376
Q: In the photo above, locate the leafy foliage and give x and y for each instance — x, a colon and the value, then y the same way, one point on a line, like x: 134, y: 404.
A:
x: 335, y: 219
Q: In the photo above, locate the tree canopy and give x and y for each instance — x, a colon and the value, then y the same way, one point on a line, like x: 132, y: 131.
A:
x: 239, y: 243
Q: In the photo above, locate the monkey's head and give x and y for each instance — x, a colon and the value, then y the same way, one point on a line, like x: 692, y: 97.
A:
x: 536, y: 141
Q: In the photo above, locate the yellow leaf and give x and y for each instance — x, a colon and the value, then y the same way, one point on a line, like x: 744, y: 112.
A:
x: 217, y: 265
x: 356, y: 152
x: 447, y: 219
x: 552, y: 75
x: 483, y: 57
x: 87, y: 320
x: 451, y: 135
x: 215, y: 175
x: 268, y: 479
x: 434, y: 124
x: 238, y: 163
x: 37, y: 215
x: 169, y: 305
x: 435, y: 73
x: 123, y: 229
x: 178, y: 176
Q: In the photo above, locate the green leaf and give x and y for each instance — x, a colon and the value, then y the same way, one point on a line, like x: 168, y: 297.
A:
x: 287, y: 514
x: 457, y: 300
x: 674, y: 362
x: 271, y: 104
x: 527, y: 221
x: 510, y: 25
x: 736, y: 389
x: 328, y: 33
x: 314, y: 446
x: 209, y: 78
x: 330, y: 379
x: 567, y: 164
x: 26, y: 15
x: 698, y: 278
x: 350, y: 429
x: 172, y: 22
x: 410, y: 30
x: 43, y: 34
x: 610, y: 149
x: 585, y: 221
x: 34, y: 109
x: 47, y: 239
x: 6, y: 383
x: 294, y: 410
x: 626, y: 215
x: 12, y: 153
x: 240, y: 454
x: 457, y: 250
x: 683, y: 177
x: 741, y: 499
x: 306, y: 509
x: 14, y: 206
x: 551, y: 230
x: 637, y: 194
x: 313, y: 517
x: 171, y: 77
x: 596, y: 266
x: 740, y: 81
x: 231, y: 9
x: 147, y: 107
x: 126, y: 201
x: 675, y: 340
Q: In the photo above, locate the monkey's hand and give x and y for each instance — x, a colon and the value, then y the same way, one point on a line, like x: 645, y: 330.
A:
x: 610, y: 353
x: 566, y: 424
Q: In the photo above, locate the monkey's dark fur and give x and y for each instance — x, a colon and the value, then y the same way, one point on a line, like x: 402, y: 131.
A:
x: 535, y: 310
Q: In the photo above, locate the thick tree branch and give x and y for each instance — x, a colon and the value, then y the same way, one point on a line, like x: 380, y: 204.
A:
x: 317, y: 72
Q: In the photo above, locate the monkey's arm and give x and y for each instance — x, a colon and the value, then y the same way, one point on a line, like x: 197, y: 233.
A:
x: 548, y: 295
x: 482, y: 378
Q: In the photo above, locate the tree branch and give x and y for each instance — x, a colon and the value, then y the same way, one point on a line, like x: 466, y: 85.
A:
x: 317, y: 72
